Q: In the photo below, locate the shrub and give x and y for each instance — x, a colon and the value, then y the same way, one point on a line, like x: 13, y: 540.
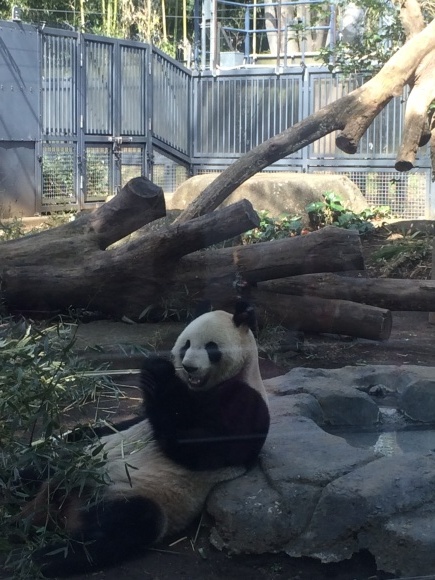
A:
x: 42, y: 383
x: 270, y: 228
x: 331, y: 211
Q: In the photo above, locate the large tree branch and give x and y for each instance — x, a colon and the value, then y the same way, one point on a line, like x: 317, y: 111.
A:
x: 411, y: 17
x: 352, y: 114
x: 415, y: 131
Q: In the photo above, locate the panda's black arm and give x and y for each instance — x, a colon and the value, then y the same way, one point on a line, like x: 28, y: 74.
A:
x: 234, y: 426
x: 168, y: 400
x: 223, y: 427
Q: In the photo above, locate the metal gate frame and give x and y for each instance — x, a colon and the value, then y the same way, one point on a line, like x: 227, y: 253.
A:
x: 89, y: 150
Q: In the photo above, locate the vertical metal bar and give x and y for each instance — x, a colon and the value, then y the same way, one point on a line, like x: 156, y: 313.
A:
x: 247, y: 39
x: 50, y: 85
x: 78, y: 88
x: 214, y: 39
x: 60, y: 81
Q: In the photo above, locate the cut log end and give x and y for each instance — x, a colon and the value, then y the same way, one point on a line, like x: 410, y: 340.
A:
x: 143, y: 187
x: 403, y: 165
x: 386, y: 325
x: 346, y: 144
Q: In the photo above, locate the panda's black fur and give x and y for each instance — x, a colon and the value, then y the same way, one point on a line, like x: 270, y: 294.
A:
x: 198, y: 431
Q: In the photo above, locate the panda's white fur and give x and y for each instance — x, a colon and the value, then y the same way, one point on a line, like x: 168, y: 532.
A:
x: 180, y: 495
x: 236, y: 343
x: 162, y: 468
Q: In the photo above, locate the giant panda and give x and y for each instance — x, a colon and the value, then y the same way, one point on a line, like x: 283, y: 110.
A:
x: 206, y: 421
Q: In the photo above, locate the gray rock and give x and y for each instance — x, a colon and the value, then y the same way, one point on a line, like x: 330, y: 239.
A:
x: 367, y: 495
x: 407, y: 542
x: 277, y: 193
x: 314, y: 494
x: 258, y: 522
x: 339, y: 398
x: 417, y: 400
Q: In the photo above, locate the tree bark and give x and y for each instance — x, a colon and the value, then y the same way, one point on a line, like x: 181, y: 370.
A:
x: 67, y: 266
x: 392, y: 294
x: 351, y: 114
x: 129, y: 278
x: 411, y: 17
x: 313, y: 314
x: 212, y: 274
x: 416, y: 122
x: 137, y: 204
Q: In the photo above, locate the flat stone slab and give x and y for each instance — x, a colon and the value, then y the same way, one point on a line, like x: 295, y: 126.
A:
x: 315, y: 494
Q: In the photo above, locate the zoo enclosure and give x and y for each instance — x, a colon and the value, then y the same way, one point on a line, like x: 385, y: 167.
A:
x: 82, y: 114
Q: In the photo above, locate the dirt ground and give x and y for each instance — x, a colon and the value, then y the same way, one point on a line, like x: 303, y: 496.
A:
x: 191, y: 557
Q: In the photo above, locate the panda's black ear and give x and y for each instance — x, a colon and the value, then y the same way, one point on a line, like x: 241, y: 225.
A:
x: 244, y: 314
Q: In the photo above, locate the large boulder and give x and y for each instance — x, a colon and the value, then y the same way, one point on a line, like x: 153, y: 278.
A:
x: 331, y: 494
x: 278, y: 193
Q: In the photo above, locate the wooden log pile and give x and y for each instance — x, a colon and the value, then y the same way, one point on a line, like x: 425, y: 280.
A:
x: 297, y: 282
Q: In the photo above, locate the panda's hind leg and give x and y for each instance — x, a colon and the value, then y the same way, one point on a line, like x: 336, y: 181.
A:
x: 111, y: 532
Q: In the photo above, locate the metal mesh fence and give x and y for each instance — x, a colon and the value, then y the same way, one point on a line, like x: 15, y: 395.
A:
x: 405, y: 193
x: 58, y: 174
x: 167, y: 173
x: 132, y: 163
x: 98, y: 183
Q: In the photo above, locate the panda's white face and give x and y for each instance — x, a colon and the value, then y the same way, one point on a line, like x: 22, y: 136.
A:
x: 212, y: 349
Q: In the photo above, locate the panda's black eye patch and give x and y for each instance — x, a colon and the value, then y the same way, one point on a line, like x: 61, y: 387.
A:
x: 184, y: 349
x: 214, y: 354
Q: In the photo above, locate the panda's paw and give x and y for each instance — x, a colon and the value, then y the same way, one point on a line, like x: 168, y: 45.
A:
x: 156, y: 373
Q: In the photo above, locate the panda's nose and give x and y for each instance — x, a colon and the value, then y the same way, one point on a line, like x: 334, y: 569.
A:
x: 189, y: 369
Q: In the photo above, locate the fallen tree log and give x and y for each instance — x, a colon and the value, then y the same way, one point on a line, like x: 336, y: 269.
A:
x: 313, y: 314
x: 69, y: 266
x: 393, y: 294
x: 137, y: 204
x: 337, y: 249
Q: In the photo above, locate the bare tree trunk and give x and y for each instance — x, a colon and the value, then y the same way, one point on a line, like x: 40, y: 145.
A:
x: 212, y: 274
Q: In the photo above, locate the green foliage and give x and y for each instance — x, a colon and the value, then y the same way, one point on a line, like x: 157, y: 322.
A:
x: 131, y: 19
x: 58, y: 178
x: 273, y: 228
x: 11, y: 229
x: 380, y: 35
x: 41, y: 384
x: 14, y: 228
x: 331, y: 211
x: 97, y: 172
